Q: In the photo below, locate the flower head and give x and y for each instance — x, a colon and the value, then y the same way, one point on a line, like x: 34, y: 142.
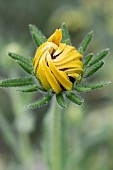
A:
x: 57, y: 65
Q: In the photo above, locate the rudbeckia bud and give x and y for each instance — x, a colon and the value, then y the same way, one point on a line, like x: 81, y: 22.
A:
x: 57, y: 65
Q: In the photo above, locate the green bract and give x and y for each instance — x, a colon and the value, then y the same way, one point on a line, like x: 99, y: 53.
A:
x: 92, y: 63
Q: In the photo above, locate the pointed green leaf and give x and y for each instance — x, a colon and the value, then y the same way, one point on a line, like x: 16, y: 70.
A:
x: 20, y: 58
x: 65, y: 35
x: 26, y: 67
x: 82, y: 88
x: 38, y: 37
x: 16, y: 82
x: 25, y: 63
x: 99, y: 56
x: 61, y: 100
x: 88, y: 59
x: 86, y: 41
x: 74, y: 98
x: 40, y: 103
x: 29, y: 88
x: 94, y: 69
x: 89, y: 87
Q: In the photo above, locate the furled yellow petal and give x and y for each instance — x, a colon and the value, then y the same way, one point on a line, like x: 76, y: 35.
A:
x: 67, y: 50
x: 43, y: 48
x: 60, y: 76
x: 75, y: 76
x: 56, y: 37
x: 40, y: 73
x: 74, y: 70
x: 72, y: 64
x: 51, y: 79
x: 68, y: 57
x: 59, y: 50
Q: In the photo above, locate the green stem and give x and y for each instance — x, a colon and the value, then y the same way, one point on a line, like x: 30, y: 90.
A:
x: 57, y: 141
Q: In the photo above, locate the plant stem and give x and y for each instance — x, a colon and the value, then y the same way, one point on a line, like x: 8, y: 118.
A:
x: 57, y: 142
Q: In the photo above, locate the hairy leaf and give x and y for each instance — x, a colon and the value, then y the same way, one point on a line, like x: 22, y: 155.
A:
x: 82, y: 88
x: 40, y: 103
x: 86, y: 41
x: 94, y: 69
x: 91, y: 86
x: 88, y: 59
x: 65, y: 35
x: 74, y: 98
x: 20, y: 58
x: 38, y: 37
x: 16, y: 82
x: 25, y: 63
x: 99, y: 56
x: 29, y: 88
x: 61, y: 100
x: 26, y: 67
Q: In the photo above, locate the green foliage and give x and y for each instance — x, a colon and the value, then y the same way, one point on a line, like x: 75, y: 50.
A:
x: 29, y: 88
x: 25, y: 63
x: 20, y: 58
x: 89, y: 87
x: 61, y: 100
x: 93, y: 70
x: 40, y: 103
x: 38, y: 37
x: 99, y: 56
x: 86, y: 41
x: 26, y: 67
x: 65, y: 35
x: 16, y: 82
x: 87, y: 59
x: 82, y: 88
x: 74, y: 98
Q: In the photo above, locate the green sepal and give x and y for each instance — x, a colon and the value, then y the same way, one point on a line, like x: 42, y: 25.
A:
x: 38, y: 37
x: 93, y: 86
x: 16, y: 82
x: 61, y: 100
x: 65, y: 35
x: 99, y: 56
x: 74, y: 98
x: 25, y: 63
x: 29, y: 88
x: 93, y: 70
x: 88, y: 59
x: 86, y: 41
x: 37, y: 104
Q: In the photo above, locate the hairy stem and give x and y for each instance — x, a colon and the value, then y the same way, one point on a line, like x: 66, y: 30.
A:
x: 57, y: 138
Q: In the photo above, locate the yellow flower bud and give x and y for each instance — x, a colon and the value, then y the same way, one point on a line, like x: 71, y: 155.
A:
x: 56, y: 64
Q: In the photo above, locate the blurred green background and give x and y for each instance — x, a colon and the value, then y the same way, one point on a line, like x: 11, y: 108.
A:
x: 89, y: 129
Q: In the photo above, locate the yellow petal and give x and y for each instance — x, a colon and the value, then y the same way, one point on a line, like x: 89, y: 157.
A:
x: 75, y: 76
x: 41, y: 50
x: 51, y: 79
x: 68, y: 57
x: 40, y: 73
x: 60, y: 49
x: 60, y: 76
x: 67, y: 50
x: 56, y: 37
x: 72, y: 64
x: 74, y: 70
